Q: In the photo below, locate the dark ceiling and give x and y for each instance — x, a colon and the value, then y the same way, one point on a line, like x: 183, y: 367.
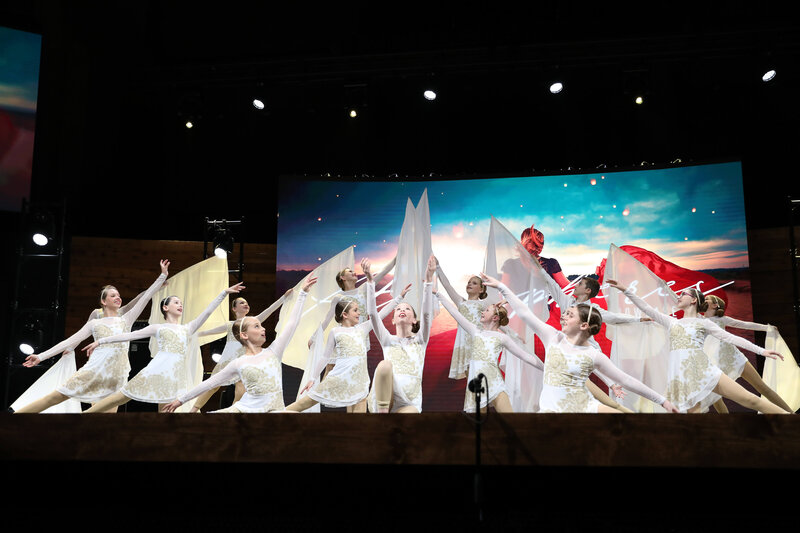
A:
x: 119, y: 80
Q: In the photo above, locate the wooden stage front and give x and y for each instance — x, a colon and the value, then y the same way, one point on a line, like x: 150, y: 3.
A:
x: 618, y: 470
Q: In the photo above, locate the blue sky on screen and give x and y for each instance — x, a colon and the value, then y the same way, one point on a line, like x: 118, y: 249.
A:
x: 693, y: 216
x: 19, y: 69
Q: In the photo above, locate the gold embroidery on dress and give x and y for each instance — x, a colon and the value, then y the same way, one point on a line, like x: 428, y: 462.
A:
x: 349, y: 345
x: 486, y: 349
x: 727, y: 357
x: 172, y: 341
x: 156, y: 386
x: 679, y: 338
x: 576, y: 401
x: 258, y: 381
x: 401, y: 362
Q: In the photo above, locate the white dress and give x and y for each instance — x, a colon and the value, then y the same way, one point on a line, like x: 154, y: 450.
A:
x: 348, y: 381
x: 261, y: 374
x: 233, y: 348
x: 567, y: 367
x: 107, y: 370
x: 724, y: 354
x: 691, y: 376
x: 407, y: 355
x: 168, y: 374
x: 485, y: 348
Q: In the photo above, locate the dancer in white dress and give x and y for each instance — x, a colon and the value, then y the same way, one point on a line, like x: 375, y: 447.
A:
x: 346, y: 382
x: 346, y: 279
x: 165, y: 376
x: 397, y: 383
x: 693, y: 382
x: 471, y: 308
x: 233, y: 348
x: 486, y: 344
x: 569, y: 359
x: 107, y: 370
x: 259, y: 369
x: 730, y: 360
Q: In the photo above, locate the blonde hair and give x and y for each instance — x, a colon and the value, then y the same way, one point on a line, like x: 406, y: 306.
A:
x: 502, y: 315
x: 104, y: 292
x: 483, y: 293
x: 239, y: 327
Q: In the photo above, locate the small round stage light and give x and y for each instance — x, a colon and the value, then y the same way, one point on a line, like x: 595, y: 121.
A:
x: 27, y: 349
x: 768, y: 76
x: 189, y: 124
x: 39, y: 239
x: 353, y: 113
x: 557, y: 87
x: 216, y: 357
x: 639, y: 100
x: 258, y: 104
x: 429, y: 95
x: 220, y: 252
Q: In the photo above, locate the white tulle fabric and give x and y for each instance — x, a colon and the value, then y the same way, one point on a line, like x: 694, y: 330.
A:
x: 782, y: 376
x: 507, y: 260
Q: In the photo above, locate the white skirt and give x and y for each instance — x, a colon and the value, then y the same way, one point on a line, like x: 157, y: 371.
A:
x: 346, y: 384
x: 691, y: 379
x: 161, y: 381
x: 105, y: 373
x: 251, y: 403
x: 406, y: 391
x: 567, y: 400
x: 493, y: 376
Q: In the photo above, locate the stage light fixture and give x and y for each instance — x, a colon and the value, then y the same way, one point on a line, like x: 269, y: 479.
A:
x: 26, y: 349
x: 639, y: 100
x: 40, y: 239
x: 557, y: 87
x: 768, y: 75
x: 429, y: 95
x: 353, y: 113
x: 258, y: 104
x: 30, y: 337
x: 223, y: 243
x: 216, y: 357
x: 189, y: 125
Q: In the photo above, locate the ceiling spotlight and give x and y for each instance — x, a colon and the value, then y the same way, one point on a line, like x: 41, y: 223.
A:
x: 258, y: 104
x: 40, y: 239
x: 556, y: 87
x: 27, y: 349
x: 639, y: 100
x: 189, y: 124
x: 429, y: 95
x: 216, y: 357
x: 768, y: 76
x: 353, y: 113
x: 223, y: 243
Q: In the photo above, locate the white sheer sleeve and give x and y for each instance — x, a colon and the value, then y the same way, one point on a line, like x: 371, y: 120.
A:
x: 451, y: 292
x: 149, y: 331
x: 217, y: 330
x: 426, y: 319
x: 383, y: 335
x: 605, y: 365
x: 195, y: 324
x: 657, y: 316
x: 141, y: 300
x: 366, y: 326
x: 326, y: 356
x: 217, y: 380
x: 265, y: 314
x: 282, y: 340
x: 462, y: 321
x: 609, y: 317
x: 389, y: 266
x: 68, y: 344
x: 721, y: 334
x: 519, y: 352
x: 546, y: 332
x: 741, y: 324
x: 128, y: 306
x: 555, y: 290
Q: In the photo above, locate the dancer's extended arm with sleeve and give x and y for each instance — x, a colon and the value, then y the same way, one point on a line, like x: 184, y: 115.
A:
x: 546, y: 332
x: 518, y: 351
x: 389, y: 266
x: 148, y: 331
x: 604, y: 364
x: 742, y: 324
x: 266, y: 313
x: 367, y: 326
x: 282, y: 341
x: 138, y: 306
x: 451, y: 292
x: 462, y: 321
x: 227, y: 374
x: 67, y: 344
x: 424, y: 332
x: 655, y: 314
x: 195, y: 324
x: 724, y: 336
x: 383, y: 335
x: 610, y: 317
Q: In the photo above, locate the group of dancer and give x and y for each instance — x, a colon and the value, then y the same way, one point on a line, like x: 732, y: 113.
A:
x: 340, y: 378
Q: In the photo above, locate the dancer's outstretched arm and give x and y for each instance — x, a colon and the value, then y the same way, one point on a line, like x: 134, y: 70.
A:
x: 281, y: 341
x: 605, y: 365
x: 724, y: 336
x: 655, y: 314
x: 195, y: 324
x: 546, y: 332
x: 519, y: 352
x: 462, y: 321
x: 741, y: 324
x: 266, y: 313
x: 132, y: 313
x: 67, y: 344
x: 451, y: 292
x: 228, y: 373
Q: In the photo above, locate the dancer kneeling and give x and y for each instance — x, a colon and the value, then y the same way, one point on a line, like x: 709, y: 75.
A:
x: 569, y: 359
x: 259, y: 369
x: 346, y: 382
x: 693, y: 383
x: 164, y: 377
x: 397, y: 384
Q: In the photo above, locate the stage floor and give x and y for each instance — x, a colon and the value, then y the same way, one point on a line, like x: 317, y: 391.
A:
x: 302, y: 472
